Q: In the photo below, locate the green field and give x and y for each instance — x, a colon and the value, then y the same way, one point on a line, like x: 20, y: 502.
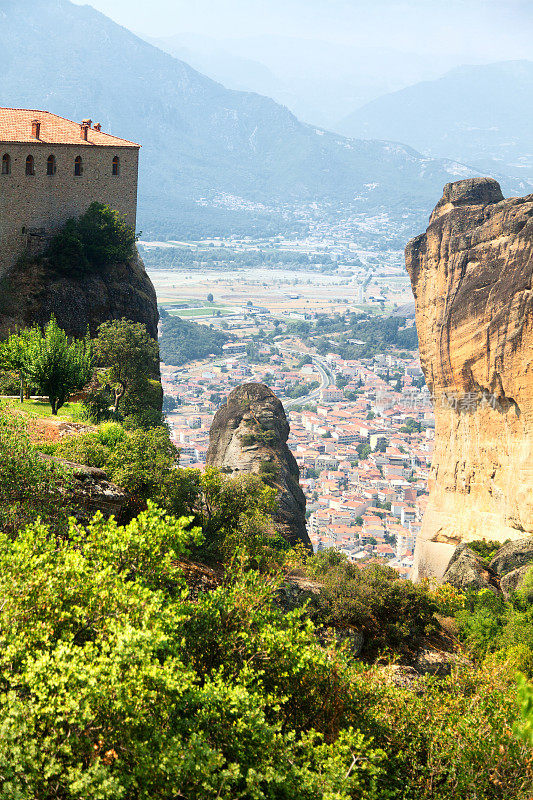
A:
x: 70, y: 412
x: 208, y: 311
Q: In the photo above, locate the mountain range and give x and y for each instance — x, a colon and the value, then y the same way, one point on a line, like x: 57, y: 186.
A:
x: 481, y: 115
x: 213, y: 160
x: 319, y: 81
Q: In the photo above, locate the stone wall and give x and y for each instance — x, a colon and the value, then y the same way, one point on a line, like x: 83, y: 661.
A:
x: 32, y: 207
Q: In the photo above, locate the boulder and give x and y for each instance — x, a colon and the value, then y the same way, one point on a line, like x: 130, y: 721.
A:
x: 438, y: 662
x: 91, y: 491
x: 512, y: 581
x: 249, y: 436
x: 513, y: 555
x: 467, y: 570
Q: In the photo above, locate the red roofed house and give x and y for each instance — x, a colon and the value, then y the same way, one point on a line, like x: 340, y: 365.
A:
x: 52, y: 169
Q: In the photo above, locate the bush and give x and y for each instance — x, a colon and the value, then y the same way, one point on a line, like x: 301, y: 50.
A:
x: 390, y: 612
x: 30, y: 487
x: 486, y: 549
x: 233, y: 513
x: 139, y: 461
x: 98, y: 238
x: 453, y: 737
x: 115, y: 685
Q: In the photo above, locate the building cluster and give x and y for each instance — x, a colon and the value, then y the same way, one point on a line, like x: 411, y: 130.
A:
x: 364, y: 450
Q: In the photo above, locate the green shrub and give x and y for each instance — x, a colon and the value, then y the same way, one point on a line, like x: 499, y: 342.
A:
x: 453, y: 738
x: 481, y: 621
x: 389, y: 611
x: 115, y: 685
x: 30, y: 487
x: 98, y: 238
x: 486, y: 549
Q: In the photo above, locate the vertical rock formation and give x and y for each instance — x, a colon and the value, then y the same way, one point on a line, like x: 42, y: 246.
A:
x: 249, y: 435
x: 471, y: 274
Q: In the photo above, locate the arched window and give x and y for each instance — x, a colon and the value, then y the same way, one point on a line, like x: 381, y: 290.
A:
x: 116, y: 166
x: 51, y: 165
x: 78, y: 166
x: 6, y: 164
x: 30, y: 166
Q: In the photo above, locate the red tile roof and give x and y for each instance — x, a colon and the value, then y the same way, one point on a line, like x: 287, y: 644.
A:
x: 16, y: 126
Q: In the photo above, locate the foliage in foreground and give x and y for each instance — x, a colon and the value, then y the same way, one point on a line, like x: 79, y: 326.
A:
x: 117, y: 681
x: 114, y: 684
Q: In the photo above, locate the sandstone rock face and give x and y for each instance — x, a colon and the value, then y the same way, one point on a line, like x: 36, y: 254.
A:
x: 471, y: 274
x: 33, y: 291
x: 249, y: 435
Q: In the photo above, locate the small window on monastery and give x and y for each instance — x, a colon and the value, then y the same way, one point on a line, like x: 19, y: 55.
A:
x: 78, y: 166
x: 51, y: 165
x: 30, y: 166
x: 116, y: 166
x: 6, y: 164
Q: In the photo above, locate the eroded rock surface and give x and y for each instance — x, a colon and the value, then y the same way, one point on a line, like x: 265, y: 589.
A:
x: 91, y: 491
x: 33, y: 291
x: 249, y: 435
x: 467, y: 570
x: 471, y: 274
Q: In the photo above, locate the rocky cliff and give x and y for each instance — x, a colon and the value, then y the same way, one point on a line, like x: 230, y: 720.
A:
x: 249, y: 435
x: 471, y: 274
x: 33, y: 290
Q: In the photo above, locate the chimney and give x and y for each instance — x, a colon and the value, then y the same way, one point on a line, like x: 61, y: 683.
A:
x: 84, y: 128
x: 97, y: 126
x: 35, y: 128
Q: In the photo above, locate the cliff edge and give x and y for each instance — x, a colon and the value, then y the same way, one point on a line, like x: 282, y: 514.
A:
x: 33, y: 290
x: 471, y: 274
x: 249, y: 435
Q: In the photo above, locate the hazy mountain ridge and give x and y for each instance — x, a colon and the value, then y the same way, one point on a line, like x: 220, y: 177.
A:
x: 477, y: 114
x: 318, y: 80
x: 199, y: 139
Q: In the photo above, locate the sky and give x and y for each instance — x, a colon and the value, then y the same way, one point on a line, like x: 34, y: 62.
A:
x: 490, y: 29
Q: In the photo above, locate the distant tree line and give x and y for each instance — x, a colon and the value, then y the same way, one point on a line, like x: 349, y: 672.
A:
x: 182, y: 341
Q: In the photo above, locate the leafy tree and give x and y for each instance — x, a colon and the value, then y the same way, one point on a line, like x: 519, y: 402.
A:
x: 209, y: 298
x: 57, y: 365
x: 16, y: 353
x: 128, y: 357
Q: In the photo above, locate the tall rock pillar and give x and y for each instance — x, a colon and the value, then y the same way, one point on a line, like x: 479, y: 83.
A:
x: 471, y: 274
